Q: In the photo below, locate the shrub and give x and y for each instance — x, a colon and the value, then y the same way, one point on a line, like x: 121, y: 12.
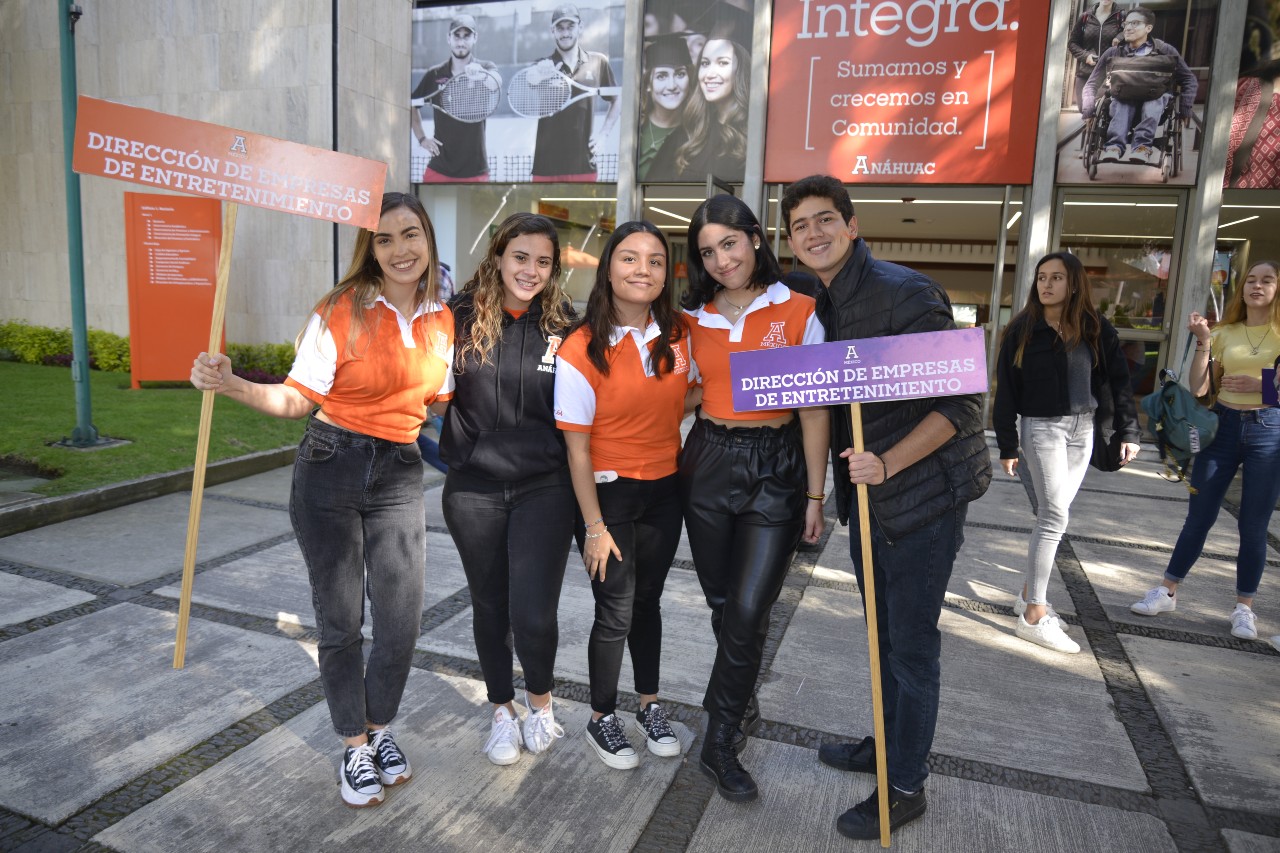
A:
x: 32, y: 344
x: 108, y: 352
x: 261, y: 359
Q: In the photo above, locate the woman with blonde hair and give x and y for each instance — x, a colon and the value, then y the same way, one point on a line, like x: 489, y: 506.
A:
x: 375, y: 353
x: 1056, y: 358
x: 507, y: 498
x: 1230, y: 359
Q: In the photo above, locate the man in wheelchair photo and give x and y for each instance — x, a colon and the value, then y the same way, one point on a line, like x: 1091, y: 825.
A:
x: 1131, y: 90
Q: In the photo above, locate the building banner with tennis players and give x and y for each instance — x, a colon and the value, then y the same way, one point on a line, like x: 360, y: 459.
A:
x: 905, y: 91
x: 512, y: 92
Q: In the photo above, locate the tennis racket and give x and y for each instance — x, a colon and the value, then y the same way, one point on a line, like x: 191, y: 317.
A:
x: 465, y: 98
x: 538, y: 93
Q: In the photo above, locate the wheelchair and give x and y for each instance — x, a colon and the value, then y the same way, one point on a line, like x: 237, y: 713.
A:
x: 1168, y: 139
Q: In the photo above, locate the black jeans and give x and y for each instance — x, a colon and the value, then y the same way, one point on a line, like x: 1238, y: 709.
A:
x: 513, y: 539
x: 357, y: 510
x: 744, y: 499
x: 644, y: 518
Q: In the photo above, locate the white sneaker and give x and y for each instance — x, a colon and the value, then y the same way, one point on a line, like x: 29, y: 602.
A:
x: 1020, y: 606
x: 361, y: 786
x: 1048, y: 633
x: 503, y: 747
x: 540, y: 728
x: 1275, y: 641
x: 1242, y: 623
x: 1156, y: 601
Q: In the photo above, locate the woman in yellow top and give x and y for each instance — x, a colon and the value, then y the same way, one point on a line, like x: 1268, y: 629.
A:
x: 376, y: 352
x: 1233, y: 354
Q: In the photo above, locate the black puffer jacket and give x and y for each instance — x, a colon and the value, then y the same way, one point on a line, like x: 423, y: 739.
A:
x: 1038, y: 388
x: 871, y: 299
x: 501, y: 424
x: 1091, y: 36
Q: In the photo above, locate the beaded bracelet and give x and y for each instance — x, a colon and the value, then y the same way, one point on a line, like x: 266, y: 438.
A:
x: 597, y: 521
x: 597, y: 535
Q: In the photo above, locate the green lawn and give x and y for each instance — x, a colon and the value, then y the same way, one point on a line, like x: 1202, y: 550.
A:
x: 39, y: 408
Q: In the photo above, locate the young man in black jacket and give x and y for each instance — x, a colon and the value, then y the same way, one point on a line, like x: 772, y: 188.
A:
x: 924, y: 461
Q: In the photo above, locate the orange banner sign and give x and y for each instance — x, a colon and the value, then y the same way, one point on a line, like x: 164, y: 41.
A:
x: 168, y: 152
x: 905, y: 91
x: 172, y: 250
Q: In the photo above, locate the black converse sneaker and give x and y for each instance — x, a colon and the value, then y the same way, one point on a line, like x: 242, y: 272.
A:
x: 652, y: 723
x: 610, y: 743
x: 393, y: 767
x: 361, y: 786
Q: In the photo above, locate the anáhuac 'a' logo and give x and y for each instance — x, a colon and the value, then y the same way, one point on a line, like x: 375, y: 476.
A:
x: 777, y: 336
x: 548, y: 364
x: 239, y: 148
x: 851, y: 355
x: 682, y: 366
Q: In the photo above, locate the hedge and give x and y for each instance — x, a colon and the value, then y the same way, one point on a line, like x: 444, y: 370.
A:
x: 21, y: 341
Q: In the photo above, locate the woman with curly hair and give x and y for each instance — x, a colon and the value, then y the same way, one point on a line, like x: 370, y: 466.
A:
x: 712, y: 135
x: 374, y: 355
x: 1056, y: 356
x: 507, y: 498
x: 622, y: 379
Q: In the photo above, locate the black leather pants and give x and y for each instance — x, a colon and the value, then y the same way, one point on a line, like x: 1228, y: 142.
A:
x: 743, y: 494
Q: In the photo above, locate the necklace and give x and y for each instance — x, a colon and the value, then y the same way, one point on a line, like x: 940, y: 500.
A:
x: 1253, y: 348
x: 737, y: 309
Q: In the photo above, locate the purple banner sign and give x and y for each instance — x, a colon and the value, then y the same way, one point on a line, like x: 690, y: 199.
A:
x: 871, y: 370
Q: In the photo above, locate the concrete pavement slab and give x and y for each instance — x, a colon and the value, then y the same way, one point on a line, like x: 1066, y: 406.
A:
x: 107, y: 546
x: 1141, y: 477
x: 1055, y: 705
x: 1220, y: 707
x: 688, y: 647
x: 1121, y: 576
x: 268, y: 487
x: 1005, y: 504
x: 991, y: 568
x: 272, y: 584
x: 23, y: 598
x: 563, y: 799
x: 1143, y: 521
x: 117, y: 708
x: 801, y: 799
x: 1247, y: 842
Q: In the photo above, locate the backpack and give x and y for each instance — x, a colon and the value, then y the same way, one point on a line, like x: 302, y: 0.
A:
x: 1181, y: 426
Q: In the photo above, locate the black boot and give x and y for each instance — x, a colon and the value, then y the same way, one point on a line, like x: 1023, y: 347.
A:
x: 720, y: 762
x: 750, y: 723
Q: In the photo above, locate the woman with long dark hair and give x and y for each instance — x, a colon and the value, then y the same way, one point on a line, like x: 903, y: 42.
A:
x: 1230, y: 359
x: 666, y: 85
x: 712, y: 134
x: 507, y: 498
x: 622, y: 378
x: 751, y: 482
x: 1056, y: 356
x: 375, y: 354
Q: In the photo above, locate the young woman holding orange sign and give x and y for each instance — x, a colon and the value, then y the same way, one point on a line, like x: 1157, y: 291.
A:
x: 375, y: 354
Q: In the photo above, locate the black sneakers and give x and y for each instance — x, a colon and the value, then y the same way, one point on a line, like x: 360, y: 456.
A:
x: 361, y: 785
x: 610, y: 743
x: 719, y: 761
x: 863, y: 820
x: 393, y: 767
x: 856, y: 757
x: 652, y: 723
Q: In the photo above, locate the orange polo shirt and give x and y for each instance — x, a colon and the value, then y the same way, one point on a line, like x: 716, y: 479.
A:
x: 381, y: 386
x: 632, y: 415
x: 778, y: 317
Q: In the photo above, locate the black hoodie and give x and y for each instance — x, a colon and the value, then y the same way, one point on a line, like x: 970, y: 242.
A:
x: 500, y: 424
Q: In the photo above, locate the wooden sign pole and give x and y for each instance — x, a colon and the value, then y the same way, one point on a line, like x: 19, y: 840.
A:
x: 202, y: 439
x: 873, y: 632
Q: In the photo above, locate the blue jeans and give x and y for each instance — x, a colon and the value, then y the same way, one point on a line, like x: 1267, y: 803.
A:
x: 1057, y: 454
x: 1249, y: 439
x: 513, y: 539
x: 357, y: 510
x: 431, y: 453
x: 1122, y: 115
x: 911, y: 576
